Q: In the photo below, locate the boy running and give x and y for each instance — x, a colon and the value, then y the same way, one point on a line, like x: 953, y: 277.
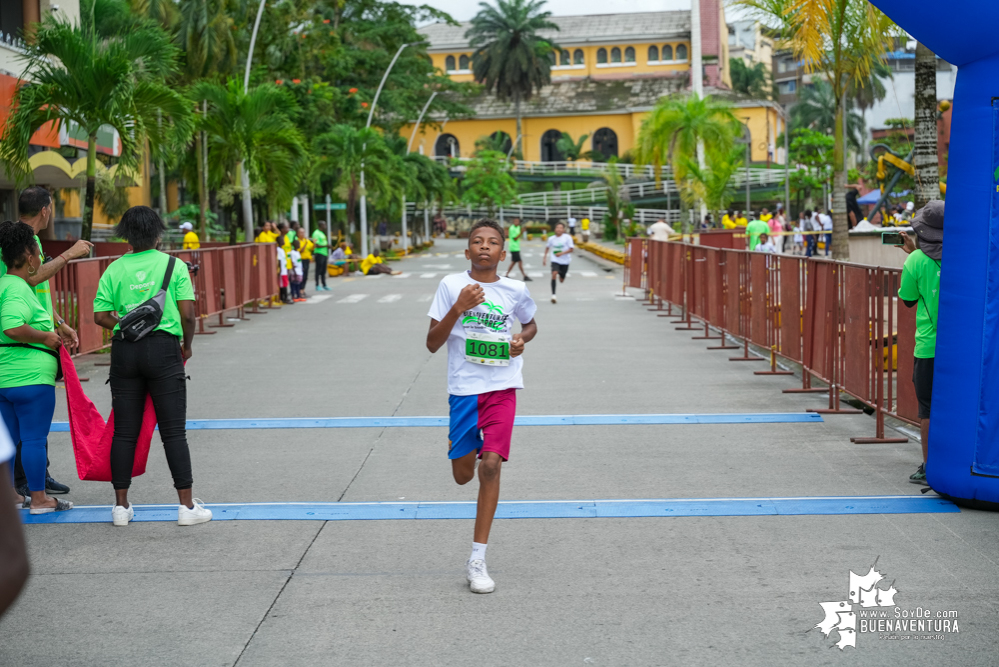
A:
x: 561, y: 246
x: 473, y: 313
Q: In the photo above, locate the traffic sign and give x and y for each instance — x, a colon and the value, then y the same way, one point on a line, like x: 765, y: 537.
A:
x: 331, y: 207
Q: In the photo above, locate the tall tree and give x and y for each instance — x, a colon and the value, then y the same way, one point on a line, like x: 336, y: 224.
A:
x: 91, y: 75
x: 672, y: 130
x: 841, y: 39
x: 924, y: 144
x: 511, y: 59
x: 488, y: 182
x: 251, y: 131
x: 754, y: 81
x: 573, y: 150
x: 816, y: 110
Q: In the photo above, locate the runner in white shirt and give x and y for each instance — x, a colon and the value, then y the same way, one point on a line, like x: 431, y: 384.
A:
x: 660, y: 231
x: 561, y: 246
x: 473, y: 313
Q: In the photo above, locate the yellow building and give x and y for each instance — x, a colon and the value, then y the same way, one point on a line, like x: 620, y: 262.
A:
x: 610, y: 70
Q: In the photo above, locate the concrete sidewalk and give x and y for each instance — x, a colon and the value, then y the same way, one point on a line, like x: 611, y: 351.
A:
x: 696, y: 590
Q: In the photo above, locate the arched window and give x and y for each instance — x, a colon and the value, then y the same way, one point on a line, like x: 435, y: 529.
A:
x: 653, y: 54
x: 681, y: 51
x: 615, y: 55
x: 565, y: 60
x: 463, y: 62
x: 449, y: 63
x: 601, y: 56
x: 629, y: 55
x: 577, y: 57
x: 447, y: 146
x: 549, y: 147
x: 605, y: 142
x: 501, y: 141
x: 667, y: 52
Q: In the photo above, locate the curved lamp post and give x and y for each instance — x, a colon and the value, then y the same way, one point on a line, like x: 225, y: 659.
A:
x: 245, y: 176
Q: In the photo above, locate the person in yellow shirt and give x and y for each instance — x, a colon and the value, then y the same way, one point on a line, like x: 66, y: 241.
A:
x: 268, y: 235
x: 373, y: 264
x: 305, y: 248
x: 728, y: 220
x: 765, y: 215
x: 585, y: 225
x: 191, y: 240
x: 740, y: 220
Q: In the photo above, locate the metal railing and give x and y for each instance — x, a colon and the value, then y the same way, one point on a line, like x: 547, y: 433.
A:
x: 551, y: 213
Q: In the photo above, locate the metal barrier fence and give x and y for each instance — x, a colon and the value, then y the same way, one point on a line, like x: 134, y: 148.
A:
x: 227, y: 279
x: 841, y: 322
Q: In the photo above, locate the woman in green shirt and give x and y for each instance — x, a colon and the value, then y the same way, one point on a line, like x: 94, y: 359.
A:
x: 152, y: 365
x: 27, y: 361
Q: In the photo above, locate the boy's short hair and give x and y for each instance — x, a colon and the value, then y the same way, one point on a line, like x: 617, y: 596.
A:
x: 486, y: 222
x: 560, y: 223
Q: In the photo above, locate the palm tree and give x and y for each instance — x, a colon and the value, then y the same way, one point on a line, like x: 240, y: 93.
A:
x: 924, y: 140
x: 344, y: 151
x: 672, y: 130
x: 572, y: 149
x: 82, y: 77
x: 754, y: 81
x: 713, y: 183
x: 816, y: 110
x: 841, y: 39
x: 865, y: 94
x: 250, y: 131
x: 511, y: 59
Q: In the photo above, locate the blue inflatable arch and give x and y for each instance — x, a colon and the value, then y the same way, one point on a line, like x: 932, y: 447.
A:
x: 964, y: 430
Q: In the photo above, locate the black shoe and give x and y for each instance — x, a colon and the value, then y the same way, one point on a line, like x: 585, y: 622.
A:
x: 23, y: 490
x: 54, y: 488
x: 527, y: 279
x: 918, y: 477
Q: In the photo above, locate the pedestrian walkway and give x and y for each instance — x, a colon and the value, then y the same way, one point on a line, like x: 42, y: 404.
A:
x: 699, y: 519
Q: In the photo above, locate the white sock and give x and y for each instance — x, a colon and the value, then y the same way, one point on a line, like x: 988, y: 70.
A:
x: 478, y: 552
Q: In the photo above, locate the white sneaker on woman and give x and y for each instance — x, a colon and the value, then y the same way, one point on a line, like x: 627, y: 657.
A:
x: 478, y: 578
x: 198, y: 514
x: 120, y: 516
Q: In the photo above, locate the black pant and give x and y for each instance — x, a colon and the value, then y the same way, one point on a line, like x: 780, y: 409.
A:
x: 154, y: 366
x: 305, y: 273
x: 320, y: 268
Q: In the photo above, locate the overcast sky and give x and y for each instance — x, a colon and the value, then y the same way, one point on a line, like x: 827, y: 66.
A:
x: 463, y: 10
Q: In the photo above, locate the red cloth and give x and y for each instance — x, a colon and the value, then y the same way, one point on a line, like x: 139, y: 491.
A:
x: 92, y: 437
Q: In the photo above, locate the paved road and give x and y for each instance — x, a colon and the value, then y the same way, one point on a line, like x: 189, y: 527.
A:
x: 700, y: 590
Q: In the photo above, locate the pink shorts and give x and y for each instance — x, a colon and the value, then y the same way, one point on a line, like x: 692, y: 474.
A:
x: 482, y: 422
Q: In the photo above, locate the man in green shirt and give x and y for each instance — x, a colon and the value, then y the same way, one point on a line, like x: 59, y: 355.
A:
x: 320, y: 254
x: 514, y: 232
x: 754, y: 229
x: 920, y: 287
x: 34, y: 206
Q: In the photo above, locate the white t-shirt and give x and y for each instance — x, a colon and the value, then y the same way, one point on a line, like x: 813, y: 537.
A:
x: 6, y: 445
x: 296, y: 262
x: 506, y: 300
x: 826, y: 221
x: 798, y: 236
x: 572, y: 223
x: 559, y: 244
x: 282, y: 261
x: 660, y: 231
x: 766, y: 247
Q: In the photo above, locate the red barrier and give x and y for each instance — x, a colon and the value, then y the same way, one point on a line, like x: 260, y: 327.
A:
x: 227, y: 278
x: 841, y: 322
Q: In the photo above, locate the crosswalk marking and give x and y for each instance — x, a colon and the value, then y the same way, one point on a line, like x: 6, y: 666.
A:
x: 588, y: 274
x: 403, y: 275
x: 389, y: 298
x: 437, y: 266
x: 374, y: 276
x: 318, y: 298
x: 425, y: 298
x: 536, y: 274
x: 427, y: 275
x: 353, y: 298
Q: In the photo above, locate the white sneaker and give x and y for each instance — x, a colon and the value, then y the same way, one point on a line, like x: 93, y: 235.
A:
x: 554, y: 300
x: 478, y: 577
x: 190, y: 517
x: 120, y: 516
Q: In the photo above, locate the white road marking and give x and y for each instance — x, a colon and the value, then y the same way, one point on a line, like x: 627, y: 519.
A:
x: 426, y: 297
x: 427, y: 275
x: 319, y: 298
x: 373, y: 277
x: 389, y: 298
x: 404, y: 274
x: 588, y: 274
x: 536, y: 274
x: 437, y: 266
x: 353, y: 298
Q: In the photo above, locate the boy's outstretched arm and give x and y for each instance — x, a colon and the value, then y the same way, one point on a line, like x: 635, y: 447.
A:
x: 527, y: 332
x: 469, y: 297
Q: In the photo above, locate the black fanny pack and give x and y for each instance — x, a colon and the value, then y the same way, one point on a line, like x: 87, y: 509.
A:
x: 145, y: 317
x: 46, y: 350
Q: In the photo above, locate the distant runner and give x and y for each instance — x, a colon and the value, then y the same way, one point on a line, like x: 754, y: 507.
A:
x: 514, y: 231
x: 561, y: 246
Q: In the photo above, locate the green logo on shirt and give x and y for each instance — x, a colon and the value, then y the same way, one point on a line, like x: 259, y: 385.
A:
x: 494, y: 319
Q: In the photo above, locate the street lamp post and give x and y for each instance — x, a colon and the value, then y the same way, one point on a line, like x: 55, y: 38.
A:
x: 364, y: 198
x: 245, y: 181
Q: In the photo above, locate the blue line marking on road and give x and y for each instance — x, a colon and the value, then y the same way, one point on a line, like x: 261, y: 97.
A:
x: 521, y: 420
x: 515, y: 509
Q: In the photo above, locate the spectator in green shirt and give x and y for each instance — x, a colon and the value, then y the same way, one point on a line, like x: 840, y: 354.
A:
x: 34, y: 205
x: 514, y: 232
x: 321, y: 254
x: 28, y: 362
x: 152, y: 365
x: 920, y: 287
x: 753, y: 230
